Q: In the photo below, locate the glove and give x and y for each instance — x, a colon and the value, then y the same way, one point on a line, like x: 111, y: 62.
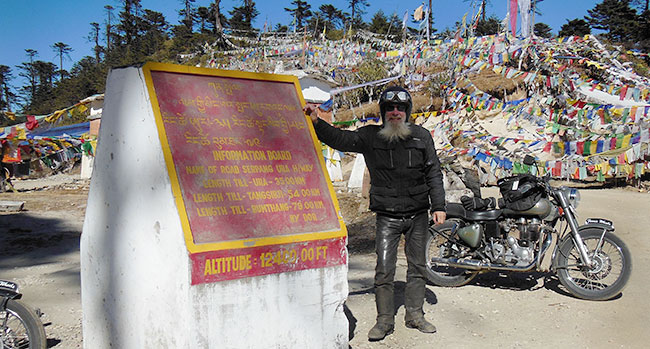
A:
x: 477, y: 204
x: 471, y: 203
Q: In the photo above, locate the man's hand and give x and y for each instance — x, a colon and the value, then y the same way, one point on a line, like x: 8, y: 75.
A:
x: 310, y: 110
x: 439, y: 217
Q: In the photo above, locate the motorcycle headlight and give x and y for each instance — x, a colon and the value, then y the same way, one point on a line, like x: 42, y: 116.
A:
x: 573, y: 195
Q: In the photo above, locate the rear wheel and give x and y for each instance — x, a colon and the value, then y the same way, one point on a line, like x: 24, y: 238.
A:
x: 20, y: 327
x: 438, y: 246
x: 612, y: 265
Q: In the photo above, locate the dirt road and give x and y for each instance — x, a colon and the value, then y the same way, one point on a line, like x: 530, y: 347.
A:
x: 39, y: 249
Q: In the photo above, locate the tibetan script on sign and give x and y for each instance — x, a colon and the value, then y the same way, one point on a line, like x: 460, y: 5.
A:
x: 245, y: 171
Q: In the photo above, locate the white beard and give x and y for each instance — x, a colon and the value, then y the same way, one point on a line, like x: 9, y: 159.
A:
x: 392, y: 132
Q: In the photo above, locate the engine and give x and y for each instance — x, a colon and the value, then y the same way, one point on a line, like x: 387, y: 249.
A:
x: 526, y: 231
x: 512, y: 241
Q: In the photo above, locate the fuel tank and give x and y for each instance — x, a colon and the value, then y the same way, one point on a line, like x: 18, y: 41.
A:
x: 471, y: 234
x: 541, y: 209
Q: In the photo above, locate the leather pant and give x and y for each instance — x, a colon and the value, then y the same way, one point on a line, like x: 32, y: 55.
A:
x: 389, y: 232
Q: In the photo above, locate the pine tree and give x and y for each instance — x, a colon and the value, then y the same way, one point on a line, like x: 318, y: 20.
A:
x: 204, y: 18
x: 28, y: 72
x: 154, y: 33
x: 6, y: 96
x: 333, y: 16
x: 301, y: 12
x: 489, y: 26
x: 128, y: 25
x: 577, y: 27
x: 379, y: 23
x: 219, y: 18
x: 188, y: 13
x: 316, y: 23
x: 358, y: 9
x: 542, y: 30
x: 242, y: 17
x: 643, y: 35
x: 109, y: 14
x: 37, y: 96
x: 93, y: 36
x: 616, y: 17
x: 482, y: 4
x: 61, y: 50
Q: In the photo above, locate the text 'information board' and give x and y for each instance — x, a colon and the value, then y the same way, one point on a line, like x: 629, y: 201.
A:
x: 246, y: 173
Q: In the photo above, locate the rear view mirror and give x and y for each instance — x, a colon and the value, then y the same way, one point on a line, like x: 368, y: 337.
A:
x: 529, y: 160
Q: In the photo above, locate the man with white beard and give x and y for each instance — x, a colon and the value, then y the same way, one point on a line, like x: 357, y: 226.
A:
x: 405, y: 184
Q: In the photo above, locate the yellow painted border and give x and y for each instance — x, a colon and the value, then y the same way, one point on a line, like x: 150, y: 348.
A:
x: 173, y: 176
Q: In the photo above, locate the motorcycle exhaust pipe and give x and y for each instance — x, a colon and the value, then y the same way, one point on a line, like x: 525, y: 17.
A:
x: 477, y: 265
x: 473, y: 264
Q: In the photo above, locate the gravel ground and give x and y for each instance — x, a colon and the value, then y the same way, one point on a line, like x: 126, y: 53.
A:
x: 39, y: 249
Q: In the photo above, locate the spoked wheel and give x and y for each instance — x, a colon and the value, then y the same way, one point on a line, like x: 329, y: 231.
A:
x: 438, y: 246
x: 609, y: 272
x: 4, y: 174
x: 20, y: 327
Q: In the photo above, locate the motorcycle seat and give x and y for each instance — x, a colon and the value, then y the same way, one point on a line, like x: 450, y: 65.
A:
x: 455, y: 210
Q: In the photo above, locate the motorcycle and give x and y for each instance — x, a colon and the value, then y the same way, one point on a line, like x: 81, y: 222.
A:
x: 20, y: 325
x: 589, y: 260
x: 5, y: 181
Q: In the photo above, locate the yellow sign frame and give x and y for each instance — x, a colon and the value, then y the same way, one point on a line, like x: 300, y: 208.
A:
x: 173, y: 176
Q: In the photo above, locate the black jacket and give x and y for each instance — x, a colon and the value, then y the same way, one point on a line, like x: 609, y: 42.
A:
x: 405, y: 176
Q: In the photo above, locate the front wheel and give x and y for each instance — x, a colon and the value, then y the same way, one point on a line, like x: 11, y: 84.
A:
x: 20, y: 327
x: 606, y: 278
x: 438, y: 246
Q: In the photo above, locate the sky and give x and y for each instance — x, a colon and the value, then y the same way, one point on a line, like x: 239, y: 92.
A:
x: 38, y: 24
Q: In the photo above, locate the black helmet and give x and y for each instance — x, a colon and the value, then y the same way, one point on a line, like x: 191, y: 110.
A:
x: 395, y: 95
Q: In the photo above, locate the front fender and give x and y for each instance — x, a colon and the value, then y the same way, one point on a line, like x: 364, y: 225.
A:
x: 8, y: 290
x: 591, y: 223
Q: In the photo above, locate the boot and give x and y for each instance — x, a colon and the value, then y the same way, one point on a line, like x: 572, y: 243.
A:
x: 380, y: 331
x: 422, y: 325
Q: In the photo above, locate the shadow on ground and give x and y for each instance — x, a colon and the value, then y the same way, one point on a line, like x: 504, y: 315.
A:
x: 399, y: 288
x: 520, y: 281
x: 27, y: 240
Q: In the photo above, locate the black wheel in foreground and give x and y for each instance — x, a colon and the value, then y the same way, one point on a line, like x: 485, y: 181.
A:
x: 20, y: 327
x: 606, y: 278
x: 438, y: 246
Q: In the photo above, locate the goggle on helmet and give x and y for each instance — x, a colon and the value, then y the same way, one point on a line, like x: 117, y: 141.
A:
x: 397, y: 96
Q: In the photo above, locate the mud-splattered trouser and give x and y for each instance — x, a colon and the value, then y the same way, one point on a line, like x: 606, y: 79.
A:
x: 389, y: 232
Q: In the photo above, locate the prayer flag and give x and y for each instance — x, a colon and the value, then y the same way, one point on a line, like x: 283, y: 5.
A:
x: 619, y: 141
x: 418, y: 14
x: 626, y: 141
x: 638, y: 170
x: 31, y: 123
x: 586, y: 148
x: 326, y: 106
x: 513, y: 17
x: 623, y: 91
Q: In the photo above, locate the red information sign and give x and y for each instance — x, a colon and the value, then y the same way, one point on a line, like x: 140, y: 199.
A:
x: 245, y: 170
x: 233, y: 264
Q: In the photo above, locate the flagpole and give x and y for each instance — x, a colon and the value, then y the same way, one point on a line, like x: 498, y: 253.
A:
x: 304, y: 48
x: 532, y: 22
x: 429, y: 20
